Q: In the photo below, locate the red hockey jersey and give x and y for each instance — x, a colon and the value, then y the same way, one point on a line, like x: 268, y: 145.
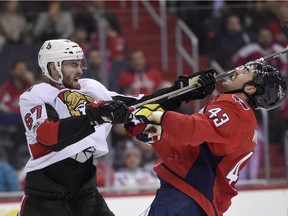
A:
x: 203, y: 153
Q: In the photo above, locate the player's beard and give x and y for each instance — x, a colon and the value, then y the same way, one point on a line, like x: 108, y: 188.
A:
x: 72, y: 84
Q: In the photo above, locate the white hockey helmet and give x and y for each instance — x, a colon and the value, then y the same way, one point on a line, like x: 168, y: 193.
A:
x: 57, y: 51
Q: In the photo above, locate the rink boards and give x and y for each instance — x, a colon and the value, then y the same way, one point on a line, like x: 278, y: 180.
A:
x: 264, y: 202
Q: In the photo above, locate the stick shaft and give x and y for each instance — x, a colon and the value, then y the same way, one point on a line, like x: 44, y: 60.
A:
x: 186, y: 89
x: 168, y: 95
x: 263, y: 59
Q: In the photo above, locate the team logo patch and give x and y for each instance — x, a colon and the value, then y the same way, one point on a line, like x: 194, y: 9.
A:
x: 237, y: 99
x: 75, y: 101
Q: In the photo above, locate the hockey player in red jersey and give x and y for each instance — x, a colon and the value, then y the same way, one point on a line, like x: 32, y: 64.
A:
x: 203, y: 153
x: 67, y: 120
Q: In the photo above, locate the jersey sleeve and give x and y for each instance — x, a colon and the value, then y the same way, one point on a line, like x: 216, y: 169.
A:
x: 218, y: 124
x: 57, y: 134
x: 43, y: 125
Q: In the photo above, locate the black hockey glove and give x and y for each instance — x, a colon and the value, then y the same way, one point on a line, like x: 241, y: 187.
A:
x: 114, y: 112
x: 206, y: 81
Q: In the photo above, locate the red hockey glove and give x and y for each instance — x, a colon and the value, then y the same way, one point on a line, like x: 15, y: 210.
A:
x: 149, y: 130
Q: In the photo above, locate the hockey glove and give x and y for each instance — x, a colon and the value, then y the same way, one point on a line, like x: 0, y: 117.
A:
x: 100, y: 111
x: 149, y: 130
x: 204, y: 79
x: 150, y: 113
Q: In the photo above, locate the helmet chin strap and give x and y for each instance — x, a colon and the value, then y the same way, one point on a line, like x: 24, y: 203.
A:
x: 60, y: 79
x: 58, y: 83
x: 235, y: 91
x: 250, y: 97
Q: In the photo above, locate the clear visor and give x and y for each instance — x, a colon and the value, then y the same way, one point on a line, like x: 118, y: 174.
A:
x: 77, y: 63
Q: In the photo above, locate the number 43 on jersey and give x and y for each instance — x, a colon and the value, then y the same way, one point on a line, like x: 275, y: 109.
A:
x: 218, y: 120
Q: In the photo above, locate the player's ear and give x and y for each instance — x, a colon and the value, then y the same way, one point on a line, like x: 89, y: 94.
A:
x: 53, y: 71
x: 250, y: 89
x: 51, y: 66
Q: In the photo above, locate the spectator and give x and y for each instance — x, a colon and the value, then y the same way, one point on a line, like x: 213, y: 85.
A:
x: 100, y: 9
x: 20, y: 80
x: 105, y: 174
x: 281, y: 14
x: 54, y: 23
x: 149, y: 157
x: 264, y: 46
x: 116, y: 46
x: 115, y: 42
x: 193, y: 11
x: 263, y: 13
x: 12, y: 23
x: 8, y: 178
x: 119, y: 139
x: 10, y: 90
x: 80, y: 36
x: 30, y: 8
x: 118, y: 150
x: 118, y: 65
x: 83, y: 18
x: 245, y: 10
x: 229, y: 41
x: 132, y: 174
x: 140, y: 78
x: 94, y: 64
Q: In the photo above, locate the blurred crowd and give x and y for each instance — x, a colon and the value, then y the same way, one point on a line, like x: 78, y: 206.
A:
x: 230, y: 32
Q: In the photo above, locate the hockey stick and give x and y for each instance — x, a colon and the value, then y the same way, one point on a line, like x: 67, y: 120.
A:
x: 261, y: 60
x: 284, y: 28
x: 218, y: 77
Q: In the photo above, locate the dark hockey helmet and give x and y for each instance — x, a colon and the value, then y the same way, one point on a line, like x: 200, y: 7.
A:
x: 271, y: 87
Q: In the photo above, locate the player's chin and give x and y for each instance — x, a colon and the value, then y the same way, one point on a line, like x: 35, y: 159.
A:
x: 73, y: 85
x: 76, y: 85
x: 225, y: 85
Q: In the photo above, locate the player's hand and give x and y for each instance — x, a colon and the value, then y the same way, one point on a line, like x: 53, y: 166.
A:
x: 149, y: 130
x: 205, y: 80
x: 150, y: 113
x: 100, y: 111
x: 147, y: 133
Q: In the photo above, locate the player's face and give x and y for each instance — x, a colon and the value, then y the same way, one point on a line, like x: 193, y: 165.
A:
x: 72, y: 71
x: 240, y: 77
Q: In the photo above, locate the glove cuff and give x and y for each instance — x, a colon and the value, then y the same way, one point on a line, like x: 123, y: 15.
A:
x: 134, y: 130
